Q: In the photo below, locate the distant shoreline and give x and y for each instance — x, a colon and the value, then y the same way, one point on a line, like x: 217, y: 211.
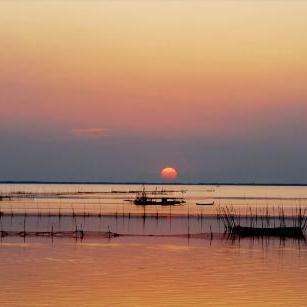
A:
x: 149, y: 183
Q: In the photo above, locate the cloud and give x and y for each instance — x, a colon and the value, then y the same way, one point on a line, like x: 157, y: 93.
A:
x: 89, y: 132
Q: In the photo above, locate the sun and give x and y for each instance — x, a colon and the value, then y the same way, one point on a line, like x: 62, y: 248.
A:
x: 169, y: 173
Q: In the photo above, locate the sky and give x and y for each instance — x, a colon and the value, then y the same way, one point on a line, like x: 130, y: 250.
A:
x: 117, y: 90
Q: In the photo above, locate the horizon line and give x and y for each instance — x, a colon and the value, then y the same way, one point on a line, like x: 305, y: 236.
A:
x: 92, y: 182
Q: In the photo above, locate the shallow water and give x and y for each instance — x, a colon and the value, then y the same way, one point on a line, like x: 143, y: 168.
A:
x: 152, y: 271
x: 140, y: 270
x: 110, y: 199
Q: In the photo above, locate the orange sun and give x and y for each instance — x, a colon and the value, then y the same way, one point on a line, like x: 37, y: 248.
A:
x: 169, y: 173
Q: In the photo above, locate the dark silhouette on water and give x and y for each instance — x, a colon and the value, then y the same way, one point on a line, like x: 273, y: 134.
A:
x: 257, y: 227
x: 143, y: 199
x: 291, y: 232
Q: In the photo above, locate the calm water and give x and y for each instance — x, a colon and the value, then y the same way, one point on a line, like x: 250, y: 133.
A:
x: 144, y: 270
x: 116, y: 198
x: 152, y: 271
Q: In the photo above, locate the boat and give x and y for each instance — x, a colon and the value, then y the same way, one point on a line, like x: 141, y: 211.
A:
x: 209, y: 203
x: 282, y: 231
x: 143, y: 200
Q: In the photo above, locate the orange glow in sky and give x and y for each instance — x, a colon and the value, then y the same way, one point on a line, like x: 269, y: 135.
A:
x: 148, y: 82
x: 129, y: 64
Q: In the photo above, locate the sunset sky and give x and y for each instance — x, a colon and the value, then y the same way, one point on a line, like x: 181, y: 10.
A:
x: 116, y: 90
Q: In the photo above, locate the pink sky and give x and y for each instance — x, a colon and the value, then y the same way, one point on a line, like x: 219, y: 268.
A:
x: 196, y: 69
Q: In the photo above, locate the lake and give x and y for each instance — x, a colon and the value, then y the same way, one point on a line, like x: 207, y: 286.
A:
x: 154, y: 261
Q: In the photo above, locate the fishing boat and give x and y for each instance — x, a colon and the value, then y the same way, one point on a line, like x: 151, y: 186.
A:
x: 208, y: 203
x: 143, y: 200
x: 282, y: 231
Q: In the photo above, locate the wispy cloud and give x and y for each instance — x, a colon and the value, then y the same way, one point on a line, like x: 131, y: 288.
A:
x: 89, y: 132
